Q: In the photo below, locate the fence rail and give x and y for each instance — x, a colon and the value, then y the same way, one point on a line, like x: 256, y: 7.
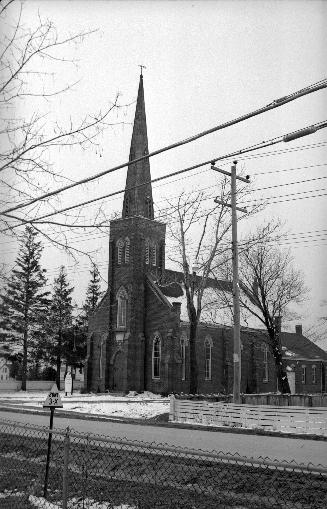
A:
x: 311, y: 421
x: 96, y: 472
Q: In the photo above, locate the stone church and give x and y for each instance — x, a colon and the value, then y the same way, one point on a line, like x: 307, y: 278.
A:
x: 138, y: 335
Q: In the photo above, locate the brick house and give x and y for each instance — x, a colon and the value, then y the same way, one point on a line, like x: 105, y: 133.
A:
x: 138, y: 335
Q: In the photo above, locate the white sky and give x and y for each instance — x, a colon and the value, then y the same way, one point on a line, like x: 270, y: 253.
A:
x: 207, y: 62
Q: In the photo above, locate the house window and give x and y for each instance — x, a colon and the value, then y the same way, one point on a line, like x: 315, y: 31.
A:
x: 122, y: 308
x: 265, y: 365
x: 154, y: 255
x: 314, y: 374
x: 120, y: 247
x: 156, y: 356
x: 183, y: 358
x: 304, y: 374
x: 127, y: 244
x: 147, y: 252
x: 207, y: 358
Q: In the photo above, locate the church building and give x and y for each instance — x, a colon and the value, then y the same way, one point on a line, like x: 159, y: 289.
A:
x: 138, y: 335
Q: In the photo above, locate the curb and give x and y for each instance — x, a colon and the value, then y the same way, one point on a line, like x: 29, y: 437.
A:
x: 165, y: 424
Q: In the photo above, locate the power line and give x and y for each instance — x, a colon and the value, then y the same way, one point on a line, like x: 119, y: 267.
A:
x: 165, y: 212
x: 257, y: 146
x: 275, y: 104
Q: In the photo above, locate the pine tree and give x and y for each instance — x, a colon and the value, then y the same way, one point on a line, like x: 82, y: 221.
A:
x: 24, y: 302
x: 60, y: 317
x: 93, y: 293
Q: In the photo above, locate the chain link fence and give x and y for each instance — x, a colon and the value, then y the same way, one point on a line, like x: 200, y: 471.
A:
x: 96, y: 472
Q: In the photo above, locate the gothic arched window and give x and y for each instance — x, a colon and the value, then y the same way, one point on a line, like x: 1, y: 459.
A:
x: 120, y: 247
x: 183, y: 357
x: 147, y: 252
x: 156, y: 357
x: 154, y: 255
x: 265, y: 365
x: 127, y: 245
x: 127, y: 205
x: 161, y: 260
x: 122, y: 298
x: 207, y: 357
x: 148, y: 203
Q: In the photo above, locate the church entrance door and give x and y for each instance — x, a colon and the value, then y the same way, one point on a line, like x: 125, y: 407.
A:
x: 119, y: 372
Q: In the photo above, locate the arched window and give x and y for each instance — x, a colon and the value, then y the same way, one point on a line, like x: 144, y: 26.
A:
x: 154, y: 255
x: 127, y: 205
x: 147, y: 252
x: 127, y: 244
x: 207, y: 357
x: 156, y: 357
x: 148, y: 203
x: 161, y: 260
x: 183, y: 358
x: 122, y: 308
x: 120, y: 247
x: 265, y: 365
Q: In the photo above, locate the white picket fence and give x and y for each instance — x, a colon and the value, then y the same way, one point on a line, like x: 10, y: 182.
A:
x: 264, y: 417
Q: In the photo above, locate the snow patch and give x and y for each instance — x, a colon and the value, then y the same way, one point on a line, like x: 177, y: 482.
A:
x: 133, y: 405
x: 75, y: 503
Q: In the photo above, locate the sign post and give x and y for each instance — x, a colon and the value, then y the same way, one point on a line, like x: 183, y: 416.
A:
x: 53, y: 401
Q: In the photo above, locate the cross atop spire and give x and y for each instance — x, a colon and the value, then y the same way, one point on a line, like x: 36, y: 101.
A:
x: 142, y: 67
x: 138, y: 191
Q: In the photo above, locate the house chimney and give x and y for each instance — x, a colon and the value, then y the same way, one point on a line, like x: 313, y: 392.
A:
x: 177, y: 308
x: 298, y: 330
x: 278, y: 323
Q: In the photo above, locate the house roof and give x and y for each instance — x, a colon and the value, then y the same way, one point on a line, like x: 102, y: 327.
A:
x: 299, y: 347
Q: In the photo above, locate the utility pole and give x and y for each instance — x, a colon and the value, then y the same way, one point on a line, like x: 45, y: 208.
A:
x: 236, y: 285
x: 236, y: 294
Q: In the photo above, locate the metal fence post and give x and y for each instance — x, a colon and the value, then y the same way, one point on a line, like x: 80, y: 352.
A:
x: 65, y: 469
x: 86, y: 460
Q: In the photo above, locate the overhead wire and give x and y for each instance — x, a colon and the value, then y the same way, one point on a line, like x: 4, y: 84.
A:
x: 274, y: 104
x: 257, y: 146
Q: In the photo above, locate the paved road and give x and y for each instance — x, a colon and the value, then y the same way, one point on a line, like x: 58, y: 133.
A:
x: 282, y: 448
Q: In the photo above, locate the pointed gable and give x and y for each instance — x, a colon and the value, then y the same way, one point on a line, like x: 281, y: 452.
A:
x: 138, y: 191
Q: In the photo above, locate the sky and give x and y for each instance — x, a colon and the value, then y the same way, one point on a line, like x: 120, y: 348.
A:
x: 206, y: 63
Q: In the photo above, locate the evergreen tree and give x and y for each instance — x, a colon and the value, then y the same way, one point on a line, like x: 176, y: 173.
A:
x: 60, y: 317
x: 93, y: 293
x: 24, y: 302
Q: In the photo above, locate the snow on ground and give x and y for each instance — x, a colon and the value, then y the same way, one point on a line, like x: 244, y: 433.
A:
x: 91, y: 504
x: 133, y: 405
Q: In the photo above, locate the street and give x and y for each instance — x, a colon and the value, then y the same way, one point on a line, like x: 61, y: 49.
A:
x: 302, y: 451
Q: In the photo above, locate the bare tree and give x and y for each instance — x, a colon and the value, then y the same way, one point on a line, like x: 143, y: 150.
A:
x: 200, y: 230
x: 269, y: 285
x: 31, y: 79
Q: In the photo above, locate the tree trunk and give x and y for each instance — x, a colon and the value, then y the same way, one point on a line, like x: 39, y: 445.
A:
x: 283, y: 385
x: 193, y: 358
x: 58, y: 363
x: 24, y: 369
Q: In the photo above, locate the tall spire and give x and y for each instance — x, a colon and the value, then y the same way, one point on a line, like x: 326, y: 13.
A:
x: 138, y: 191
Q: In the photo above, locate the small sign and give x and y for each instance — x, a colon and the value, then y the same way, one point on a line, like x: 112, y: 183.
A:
x: 53, y: 400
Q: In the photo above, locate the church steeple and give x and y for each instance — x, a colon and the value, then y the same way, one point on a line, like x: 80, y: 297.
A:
x: 138, y: 191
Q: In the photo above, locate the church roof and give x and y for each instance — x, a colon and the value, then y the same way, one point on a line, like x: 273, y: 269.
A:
x: 138, y: 190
